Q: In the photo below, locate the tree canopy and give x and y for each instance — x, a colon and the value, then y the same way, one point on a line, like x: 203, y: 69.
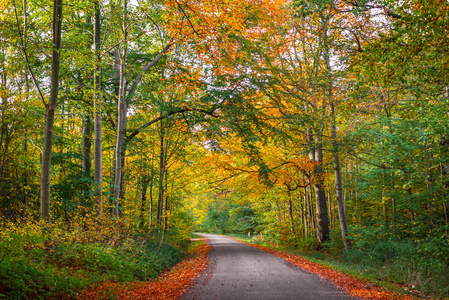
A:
x: 307, y: 120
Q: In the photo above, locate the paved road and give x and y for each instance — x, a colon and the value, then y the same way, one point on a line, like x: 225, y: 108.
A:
x: 239, y: 271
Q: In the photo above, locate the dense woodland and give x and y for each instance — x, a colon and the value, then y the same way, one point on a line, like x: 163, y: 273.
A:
x: 311, y: 124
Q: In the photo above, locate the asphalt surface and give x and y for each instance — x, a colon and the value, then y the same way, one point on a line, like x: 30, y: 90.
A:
x: 239, y: 271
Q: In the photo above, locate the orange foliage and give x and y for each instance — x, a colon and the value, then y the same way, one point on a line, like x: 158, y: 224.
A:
x: 214, y: 30
x: 355, y: 287
x: 170, y: 285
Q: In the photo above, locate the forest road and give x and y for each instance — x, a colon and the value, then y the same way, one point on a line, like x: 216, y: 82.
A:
x: 238, y: 271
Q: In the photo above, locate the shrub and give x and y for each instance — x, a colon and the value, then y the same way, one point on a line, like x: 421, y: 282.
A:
x: 67, y: 260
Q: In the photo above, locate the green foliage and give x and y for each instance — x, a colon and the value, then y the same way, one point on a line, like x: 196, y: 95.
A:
x: 230, y: 217
x: 217, y: 221
x: 63, y: 263
x: 307, y: 244
x: 133, y: 260
x: 379, y: 252
x: 242, y: 219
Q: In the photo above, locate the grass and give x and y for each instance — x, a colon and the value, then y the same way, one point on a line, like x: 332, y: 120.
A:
x: 196, y: 236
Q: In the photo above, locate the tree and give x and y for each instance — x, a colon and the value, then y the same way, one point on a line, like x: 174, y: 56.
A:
x: 50, y: 107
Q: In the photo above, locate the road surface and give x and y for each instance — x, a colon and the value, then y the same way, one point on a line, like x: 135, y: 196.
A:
x: 239, y: 271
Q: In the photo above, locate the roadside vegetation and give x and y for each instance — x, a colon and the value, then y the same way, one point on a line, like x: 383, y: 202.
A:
x: 65, y: 262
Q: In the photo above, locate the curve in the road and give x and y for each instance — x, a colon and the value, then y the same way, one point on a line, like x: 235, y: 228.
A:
x: 239, y: 271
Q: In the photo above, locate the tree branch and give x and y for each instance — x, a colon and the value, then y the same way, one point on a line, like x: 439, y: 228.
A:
x: 146, y: 68
x: 173, y: 112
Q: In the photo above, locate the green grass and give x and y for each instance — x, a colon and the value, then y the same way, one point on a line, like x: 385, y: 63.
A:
x: 196, y: 236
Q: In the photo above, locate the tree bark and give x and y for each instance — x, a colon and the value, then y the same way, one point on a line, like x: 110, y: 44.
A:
x: 120, y: 138
x: 322, y: 222
x: 162, y: 165
x: 122, y: 112
x: 143, y: 200
x: 98, y: 134
x: 150, y: 218
x: 338, y: 181
x: 50, y: 113
x: 87, y: 143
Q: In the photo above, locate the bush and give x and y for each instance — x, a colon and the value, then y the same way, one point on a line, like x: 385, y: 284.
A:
x: 63, y: 263
x: 334, y: 245
x: 397, y: 260
x: 308, y: 244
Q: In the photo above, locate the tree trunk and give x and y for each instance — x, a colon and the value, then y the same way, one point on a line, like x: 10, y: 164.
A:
x: 322, y: 222
x: 143, y: 199
x: 98, y: 134
x: 335, y: 150
x: 305, y: 213
x: 50, y: 113
x: 150, y: 221
x: 87, y: 143
x: 162, y: 165
x: 166, y: 198
x: 338, y: 181
x: 119, y: 153
x: 3, y: 135
x: 122, y: 112
x: 25, y: 141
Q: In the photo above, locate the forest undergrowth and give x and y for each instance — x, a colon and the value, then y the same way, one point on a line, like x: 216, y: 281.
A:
x: 70, y: 258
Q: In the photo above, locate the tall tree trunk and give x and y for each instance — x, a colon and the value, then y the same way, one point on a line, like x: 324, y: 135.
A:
x: 122, y: 112
x: 25, y: 141
x: 335, y: 150
x: 98, y: 134
x: 3, y: 129
x: 120, y: 144
x: 50, y: 113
